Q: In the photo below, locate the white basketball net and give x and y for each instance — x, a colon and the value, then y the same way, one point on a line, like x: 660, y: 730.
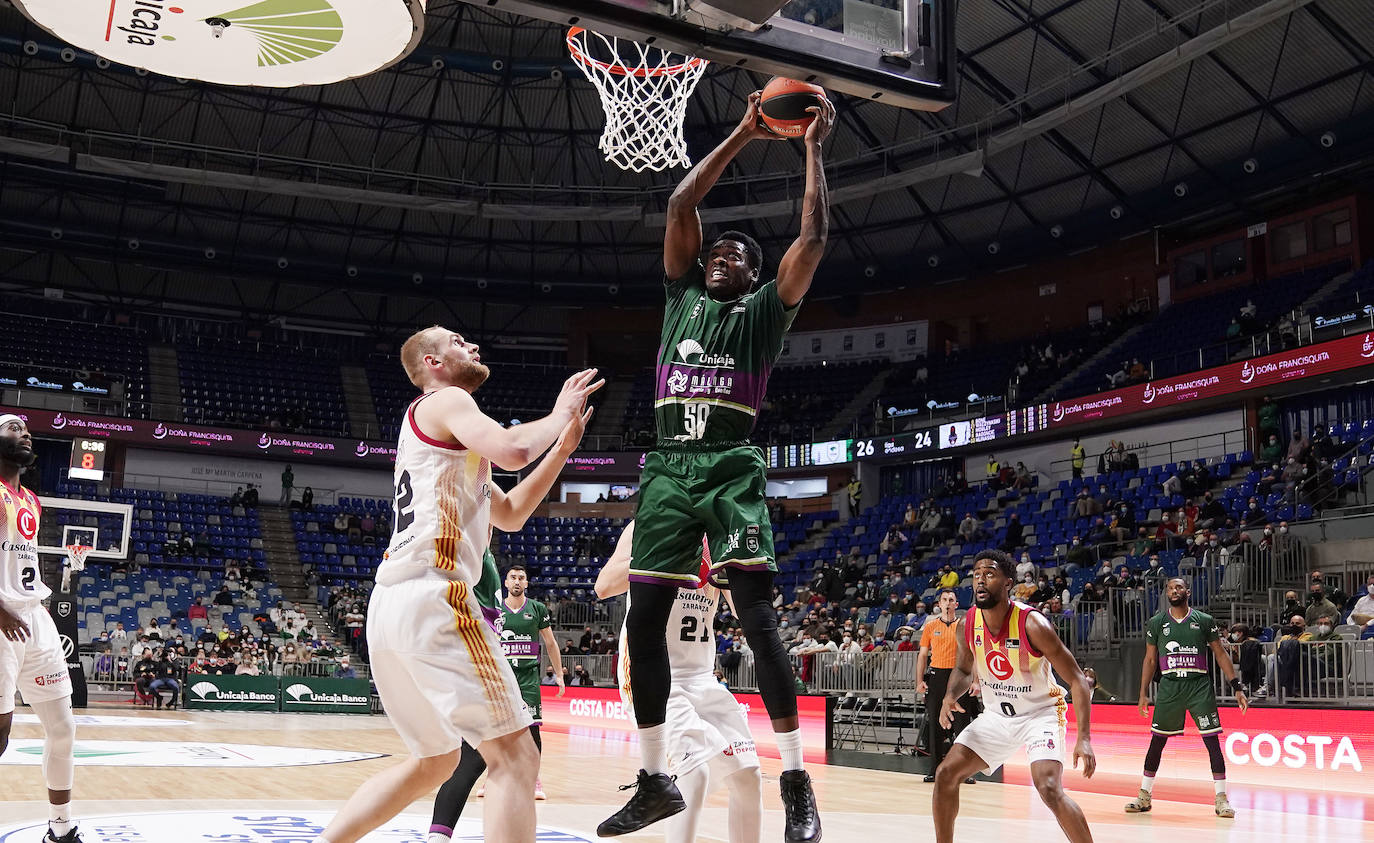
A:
x: 644, y: 91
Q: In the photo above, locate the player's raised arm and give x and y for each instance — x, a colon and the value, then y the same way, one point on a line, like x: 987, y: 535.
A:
x: 1043, y: 638
x: 452, y: 414
x: 798, y: 265
x: 614, y: 576
x: 682, y: 239
x: 959, y: 680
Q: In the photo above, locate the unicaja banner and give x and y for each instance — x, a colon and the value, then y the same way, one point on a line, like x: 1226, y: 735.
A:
x: 273, y: 43
x: 331, y: 696
x: 233, y: 693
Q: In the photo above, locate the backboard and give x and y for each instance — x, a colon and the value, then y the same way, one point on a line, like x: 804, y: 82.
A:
x: 104, y: 527
x: 899, y: 52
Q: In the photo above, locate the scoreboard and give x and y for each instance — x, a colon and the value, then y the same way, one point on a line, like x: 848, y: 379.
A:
x: 805, y: 455
x: 88, y: 459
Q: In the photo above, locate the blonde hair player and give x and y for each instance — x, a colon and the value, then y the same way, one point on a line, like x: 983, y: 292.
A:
x: 31, y: 656
x: 436, y: 661
x: 709, y: 742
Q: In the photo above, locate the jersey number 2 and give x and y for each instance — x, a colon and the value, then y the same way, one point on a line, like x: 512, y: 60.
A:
x: 689, y: 630
x: 27, y: 577
x: 405, y: 509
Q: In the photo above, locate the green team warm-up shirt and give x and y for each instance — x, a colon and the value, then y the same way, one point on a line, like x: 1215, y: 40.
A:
x: 1182, y: 644
x: 520, y: 644
x: 714, y: 359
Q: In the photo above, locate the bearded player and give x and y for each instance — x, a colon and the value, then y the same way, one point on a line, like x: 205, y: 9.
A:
x: 435, y: 656
x: 709, y: 742
x: 31, y: 656
x: 1012, y: 647
x: 523, y: 625
x: 721, y: 335
x: 1177, y: 639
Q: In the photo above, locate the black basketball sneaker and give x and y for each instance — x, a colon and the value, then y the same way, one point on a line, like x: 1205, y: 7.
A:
x: 656, y: 797
x: 799, y: 808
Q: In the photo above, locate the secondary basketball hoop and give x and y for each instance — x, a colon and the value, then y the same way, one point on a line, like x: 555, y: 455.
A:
x: 644, y: 91
x: 76, y: 563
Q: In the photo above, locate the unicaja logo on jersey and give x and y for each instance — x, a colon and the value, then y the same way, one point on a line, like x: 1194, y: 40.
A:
x: 999, y: 665
x: 689, y: 349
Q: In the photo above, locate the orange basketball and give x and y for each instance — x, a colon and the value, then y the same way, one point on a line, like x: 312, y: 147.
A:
x: 784, y: 103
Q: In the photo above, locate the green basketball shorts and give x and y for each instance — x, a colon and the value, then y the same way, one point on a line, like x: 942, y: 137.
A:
x: 684, y: 494
x: 1180, y: 697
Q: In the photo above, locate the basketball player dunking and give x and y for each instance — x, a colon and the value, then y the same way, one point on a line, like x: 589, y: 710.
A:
x: 709, y: 742
x: 31, y: 656
x: 435, y: 657
x: 1012, y: 647
x: 720, y: 338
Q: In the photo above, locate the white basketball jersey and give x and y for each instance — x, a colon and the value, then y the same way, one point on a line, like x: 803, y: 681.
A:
x: 443, y: 509
x: 691, y: 640
x: 21, y: 585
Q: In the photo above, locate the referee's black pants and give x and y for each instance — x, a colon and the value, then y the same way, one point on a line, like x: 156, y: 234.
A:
x: 937, y: 736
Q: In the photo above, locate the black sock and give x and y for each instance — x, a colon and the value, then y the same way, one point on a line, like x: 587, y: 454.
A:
x: 646, y: 625
x: 751, y: 595
x: 1213, y: 743
x: 1155, y: 753
x: 453, y: 794
x: 534, y: 733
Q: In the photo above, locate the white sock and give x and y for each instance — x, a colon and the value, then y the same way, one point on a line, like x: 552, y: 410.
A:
x: 1219, y: 785
x: 436, y: 837
x: 653, y: 748
x: 60, y: 819
x: 790, y: 745
x: 1147, y: 783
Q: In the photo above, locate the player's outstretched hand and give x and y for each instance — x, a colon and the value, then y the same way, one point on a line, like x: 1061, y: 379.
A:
x: 572, y: 432
x: 825, y: 121
x: 1242, y: 700
x: 13, y: 626
x: 573, y: 397
x: 947, y: 711
x: 1143, y: 707
x: 751, y: 124
x: 1083, y: 749
x: 558, y: 677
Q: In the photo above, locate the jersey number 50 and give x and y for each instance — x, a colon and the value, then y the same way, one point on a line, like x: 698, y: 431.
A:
x: 694, y: 419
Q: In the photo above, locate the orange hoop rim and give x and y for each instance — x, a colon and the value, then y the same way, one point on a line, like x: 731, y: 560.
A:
x: 575, y: 49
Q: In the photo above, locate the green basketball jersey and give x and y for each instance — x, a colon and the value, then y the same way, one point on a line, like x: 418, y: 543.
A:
x: 520, y: 644
x: 714, y: 359
x: 1182, y: 644
x: 488, y: 590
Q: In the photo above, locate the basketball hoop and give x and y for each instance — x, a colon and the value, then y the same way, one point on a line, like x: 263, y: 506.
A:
x: 76, y: 563
x: 644, y: 91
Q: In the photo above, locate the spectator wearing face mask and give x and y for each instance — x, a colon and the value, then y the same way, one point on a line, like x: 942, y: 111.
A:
x: 1363, y: 613
x: 968, y: 528
x: 1249, y: 657
x: 1271, y: 452
x: 1078, y: 556
x: 1212, y: 514
x: 905, y: 644
x: 1333, y: 592
x: 1024, y: 567
x: 948, y: 579
x: 1155, y: 572
x: 1319, y: 606
x: 1025, y: 589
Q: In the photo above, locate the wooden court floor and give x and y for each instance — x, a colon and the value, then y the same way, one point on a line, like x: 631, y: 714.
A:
x: 580, y: 773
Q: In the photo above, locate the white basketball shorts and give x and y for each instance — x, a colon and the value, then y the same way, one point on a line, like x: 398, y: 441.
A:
x: 36, y: 667
x: 994, y: 737
x: 438, y: 667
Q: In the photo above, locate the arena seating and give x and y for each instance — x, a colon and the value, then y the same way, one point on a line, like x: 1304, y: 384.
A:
x: 1172, y: 340
x: 330, y: 552
x: 228, y: 382
x: 161, y: 518
x: 81, y: 347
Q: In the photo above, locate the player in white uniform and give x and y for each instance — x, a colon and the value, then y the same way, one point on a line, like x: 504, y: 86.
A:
x: 708, y: 735
x: 31, y: 656
x: 436, y: 661
x: 1011, y: 648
